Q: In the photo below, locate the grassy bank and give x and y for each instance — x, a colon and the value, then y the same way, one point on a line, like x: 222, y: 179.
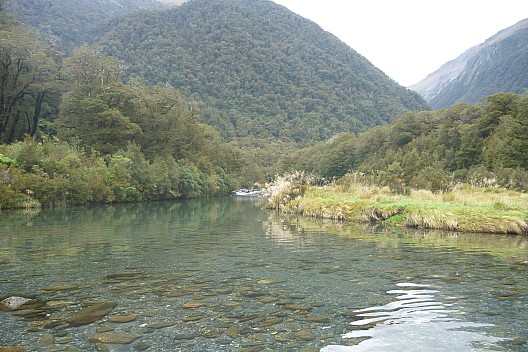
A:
x: 465, y: 209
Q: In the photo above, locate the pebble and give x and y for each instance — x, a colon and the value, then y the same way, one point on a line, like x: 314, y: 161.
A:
x: 193, y: 318
x: 142, y: 346
x: 193, y: 305
x: 121, y: 339
x: 292, y: 306
x: 122, y: 318
x: 46, y: 340
x: 268, y: 299
x: 161, y: 325
x: 270, y: 322
x: 91, y: 314
x: 268, y: 282
x: 310, y: 349
x: 318, y: 319
x: 184, y: 336
x: 232, y: 331
x: 12, y: 349
x: 518, y: 340
x: 303, y: 335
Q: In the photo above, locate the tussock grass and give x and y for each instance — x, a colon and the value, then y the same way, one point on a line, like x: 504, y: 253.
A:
x: 486, y: 210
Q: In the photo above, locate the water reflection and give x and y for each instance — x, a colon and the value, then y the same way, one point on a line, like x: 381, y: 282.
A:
x: 224, y: 275
x: 416, y: 320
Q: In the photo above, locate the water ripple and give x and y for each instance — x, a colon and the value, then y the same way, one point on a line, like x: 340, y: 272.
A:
x: 416, y: 320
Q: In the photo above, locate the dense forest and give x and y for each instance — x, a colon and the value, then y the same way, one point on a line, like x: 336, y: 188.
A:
x: 84, y: 128
x: 483, y: 144
x: 259, y: 69
x: 73, y: 133
x: 67, y: 24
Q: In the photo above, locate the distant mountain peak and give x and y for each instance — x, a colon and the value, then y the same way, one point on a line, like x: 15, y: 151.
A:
x: 500, y: 64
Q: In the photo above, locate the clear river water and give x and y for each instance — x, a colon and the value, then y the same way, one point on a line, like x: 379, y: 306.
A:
x: 226, y: 275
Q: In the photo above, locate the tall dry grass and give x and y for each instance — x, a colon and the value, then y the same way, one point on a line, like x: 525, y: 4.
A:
x: 355, y: 197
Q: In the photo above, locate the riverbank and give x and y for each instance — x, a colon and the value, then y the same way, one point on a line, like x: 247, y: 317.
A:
x: 465, y: 209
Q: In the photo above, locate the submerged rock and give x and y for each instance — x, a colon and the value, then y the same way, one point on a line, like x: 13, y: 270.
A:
x: 91, y: 314
x: 13, y: 302
x: 122, y: 318
x: 303, y: 335
x: 121, y: 339
x: 12, y: 349
x: 292, y: 306
x: 58, y: 288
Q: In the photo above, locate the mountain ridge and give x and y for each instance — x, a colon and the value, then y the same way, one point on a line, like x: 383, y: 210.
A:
x: 256, y: 61
x: 499, y: 64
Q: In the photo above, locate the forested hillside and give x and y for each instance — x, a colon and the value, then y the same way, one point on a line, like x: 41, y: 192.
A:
x: 484, y: 144
x: 259, y: 69
x: 70, y: 23
x: 71, y: 132
x: 500, y: 64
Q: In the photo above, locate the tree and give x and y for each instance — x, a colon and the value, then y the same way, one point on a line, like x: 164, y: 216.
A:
x: 28, y: 86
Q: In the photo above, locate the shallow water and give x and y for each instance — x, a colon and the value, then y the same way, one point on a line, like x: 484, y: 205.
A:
x: 225, y: 275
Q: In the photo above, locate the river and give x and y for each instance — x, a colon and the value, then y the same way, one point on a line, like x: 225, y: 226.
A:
x: 225, y: 275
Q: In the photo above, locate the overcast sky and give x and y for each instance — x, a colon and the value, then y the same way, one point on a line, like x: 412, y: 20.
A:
x: 409, y: 39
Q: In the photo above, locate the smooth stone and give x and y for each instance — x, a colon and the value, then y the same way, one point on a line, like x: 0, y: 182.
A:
x: 255, y: 294
x: 193, y: 305
x: 318, y: 319
x: 61, y: 333
x: 91, y: 314
x: 142, y: 346
x: 185, y: 336
x: 518, y: 340
x: 32, y: 314
x: 258, y: 337
x: 58, y: 303
x: 310, y: 349
x: 247, y: 318
x: 224, y: 341
x: 32, y: 304
x: 103, y: 329
x: 12, y: 349
x: 252, y: 349
x: 270, y: 322
x: 122, y: 318
x: 232, y: 331
x: 123, y: 276
x: 120, y: 339
x: 161, y: 325
x: 211, y: 332
x: 296, y: 297
x: 303, y: 335
x: 46, y: 340
x: 63, y: 340
x: 99, y: 347
x: 268, y: 282
x: 268, y: 299
x: 292, y: 306
x: 58, y: 288
x: 13, y: 302
x: 193, y: 318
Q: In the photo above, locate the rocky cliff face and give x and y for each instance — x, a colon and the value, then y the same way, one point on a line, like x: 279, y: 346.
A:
x: 500, y: 64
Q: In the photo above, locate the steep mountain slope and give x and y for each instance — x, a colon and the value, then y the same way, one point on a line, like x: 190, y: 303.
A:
x: 264, y: 70
x: 70, y: 23
x: 500, y: 64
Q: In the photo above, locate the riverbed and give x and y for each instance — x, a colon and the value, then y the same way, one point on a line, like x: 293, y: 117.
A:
x: 226, y: 275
